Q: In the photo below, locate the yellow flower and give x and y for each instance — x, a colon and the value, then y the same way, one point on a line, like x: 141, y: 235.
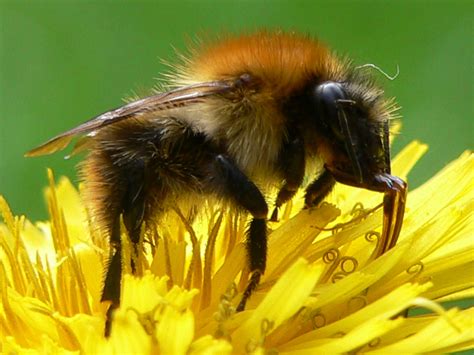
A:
x: 322, y: 291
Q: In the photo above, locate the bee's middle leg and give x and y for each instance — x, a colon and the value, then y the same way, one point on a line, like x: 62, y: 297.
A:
x: 234, y: 184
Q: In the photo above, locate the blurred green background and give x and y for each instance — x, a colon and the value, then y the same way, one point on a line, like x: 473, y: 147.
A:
x: 64, y: 62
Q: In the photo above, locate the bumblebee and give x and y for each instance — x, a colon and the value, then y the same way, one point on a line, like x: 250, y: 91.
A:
x: 237, y: 116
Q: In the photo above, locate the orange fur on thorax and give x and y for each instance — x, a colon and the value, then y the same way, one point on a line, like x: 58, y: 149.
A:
x: 282, y: 61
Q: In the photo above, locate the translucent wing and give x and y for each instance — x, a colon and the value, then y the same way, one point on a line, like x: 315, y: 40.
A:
x: 146, y: 106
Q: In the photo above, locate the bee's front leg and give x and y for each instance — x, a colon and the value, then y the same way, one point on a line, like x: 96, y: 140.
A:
x: 394, y: 201
x: 319, y: 189
x: 395, y: 194
x: 292, y: 165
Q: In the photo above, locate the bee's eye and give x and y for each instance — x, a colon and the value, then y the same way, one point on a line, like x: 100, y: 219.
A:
x: 327, y: 96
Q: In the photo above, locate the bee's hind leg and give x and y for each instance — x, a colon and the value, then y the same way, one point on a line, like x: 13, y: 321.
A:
x: 130, y: 197
x: 134, y: 209
x: 111, y: 289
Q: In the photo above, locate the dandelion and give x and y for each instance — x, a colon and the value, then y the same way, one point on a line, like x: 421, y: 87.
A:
x: 322, y: 292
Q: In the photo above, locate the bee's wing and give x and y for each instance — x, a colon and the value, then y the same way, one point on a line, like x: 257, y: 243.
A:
x: 136, y: 109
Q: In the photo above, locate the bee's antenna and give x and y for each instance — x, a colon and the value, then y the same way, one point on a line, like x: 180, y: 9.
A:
x: 373, y: 66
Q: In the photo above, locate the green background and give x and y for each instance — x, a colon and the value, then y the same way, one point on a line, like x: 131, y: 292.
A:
x: 64, y: 62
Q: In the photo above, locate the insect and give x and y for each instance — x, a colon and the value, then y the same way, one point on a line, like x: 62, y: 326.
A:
x: 238, y: 115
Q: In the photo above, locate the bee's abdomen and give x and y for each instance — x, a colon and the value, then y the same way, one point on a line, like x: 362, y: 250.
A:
x: 162, y: 161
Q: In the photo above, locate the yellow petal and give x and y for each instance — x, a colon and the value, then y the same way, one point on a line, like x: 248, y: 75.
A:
x: 285, y: 298
x: 128, y: 336
x: 143, y: 294
x: 290, y: 240
x: 383, y: 308
x: 437, y: 335
x: 175, y: 331
x: 357, y: 337
x: 207, y: 345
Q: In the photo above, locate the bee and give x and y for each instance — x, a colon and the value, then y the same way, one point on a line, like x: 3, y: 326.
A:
x: 236, y: 116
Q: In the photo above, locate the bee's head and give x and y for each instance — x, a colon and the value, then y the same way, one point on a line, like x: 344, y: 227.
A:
x: 355, y: 128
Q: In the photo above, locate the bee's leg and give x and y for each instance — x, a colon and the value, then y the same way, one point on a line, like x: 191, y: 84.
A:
x: 239, y: 188
x: 132, y: 211
x: 395, y: 191
x: 257, y: 256
x: 111, y: 290
x: 292, y: 164
x: 394, y: 201
x: 319, y: 189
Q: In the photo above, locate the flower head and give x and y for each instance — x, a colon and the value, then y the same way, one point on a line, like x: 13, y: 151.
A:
x: 323, y: 292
